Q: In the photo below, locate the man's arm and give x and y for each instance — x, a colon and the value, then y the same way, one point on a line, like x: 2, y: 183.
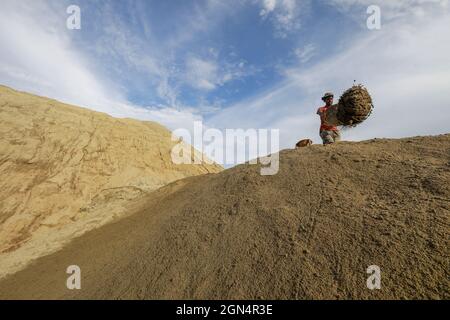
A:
x: 322, y: 115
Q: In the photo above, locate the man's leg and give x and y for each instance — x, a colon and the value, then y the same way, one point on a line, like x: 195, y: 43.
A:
x: 336, y: 136
x: 327, y: 137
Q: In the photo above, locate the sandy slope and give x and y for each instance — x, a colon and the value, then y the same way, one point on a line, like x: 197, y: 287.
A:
x: 308, y: 232
x: 65, y: 170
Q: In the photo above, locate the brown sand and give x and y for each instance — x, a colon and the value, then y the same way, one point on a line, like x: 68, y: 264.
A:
x: 65, y: 170
x: 309, y: 232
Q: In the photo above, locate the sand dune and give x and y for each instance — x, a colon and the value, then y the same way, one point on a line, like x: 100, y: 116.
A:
x: 309, y: 232
x: 65, y: 170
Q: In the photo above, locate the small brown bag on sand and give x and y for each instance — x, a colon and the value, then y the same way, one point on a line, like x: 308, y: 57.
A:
x: 303, y: 143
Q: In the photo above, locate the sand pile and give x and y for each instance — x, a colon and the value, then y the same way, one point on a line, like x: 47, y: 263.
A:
x: 310, y: 231
x: 65, y: 170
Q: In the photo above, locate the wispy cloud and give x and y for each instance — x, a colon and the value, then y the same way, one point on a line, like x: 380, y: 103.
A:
x: 208, y: 74
x: 405, y: 65
x: 267, y: 7
x: 114, y: 53
x: 284, y: 14
x: 306, y: 53
x: 391, y: 9
x: 42, y: 58
x: 202, y: 74
x: 128, y: 65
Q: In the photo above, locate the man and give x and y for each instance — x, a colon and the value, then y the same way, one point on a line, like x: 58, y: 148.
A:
x: 328, y: 132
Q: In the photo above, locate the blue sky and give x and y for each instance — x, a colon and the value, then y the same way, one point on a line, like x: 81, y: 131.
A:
x: 205, y: 53
x: 235, y: 64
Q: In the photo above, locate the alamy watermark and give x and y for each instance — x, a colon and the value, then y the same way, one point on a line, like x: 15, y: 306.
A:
x: 235, y: 146
x: 74, y: 280
x: 373, y: 22
x: 73, y: 22
x: 374, y: 280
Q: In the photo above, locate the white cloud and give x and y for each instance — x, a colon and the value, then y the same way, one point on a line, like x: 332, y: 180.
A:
x: 267, y: 7
x: 135, y: 53
x: 202, y: 74
x: 392, y: 9
x: 405, y: 66
x: 170, y: 117
x: 169, y: 62
x: 306, y: 53
x: 208, y: 74
x: 285, y: 14
x: 40, y: 58
x: 35, y: 56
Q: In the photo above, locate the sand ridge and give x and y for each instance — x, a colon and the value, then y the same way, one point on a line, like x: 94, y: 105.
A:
x: 65, y: 170
x: 308, y: 232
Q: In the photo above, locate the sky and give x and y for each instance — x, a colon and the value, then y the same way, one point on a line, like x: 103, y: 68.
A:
x: 235, y: 64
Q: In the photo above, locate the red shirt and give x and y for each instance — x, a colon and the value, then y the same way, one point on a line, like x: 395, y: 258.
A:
x: 323, y: 119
